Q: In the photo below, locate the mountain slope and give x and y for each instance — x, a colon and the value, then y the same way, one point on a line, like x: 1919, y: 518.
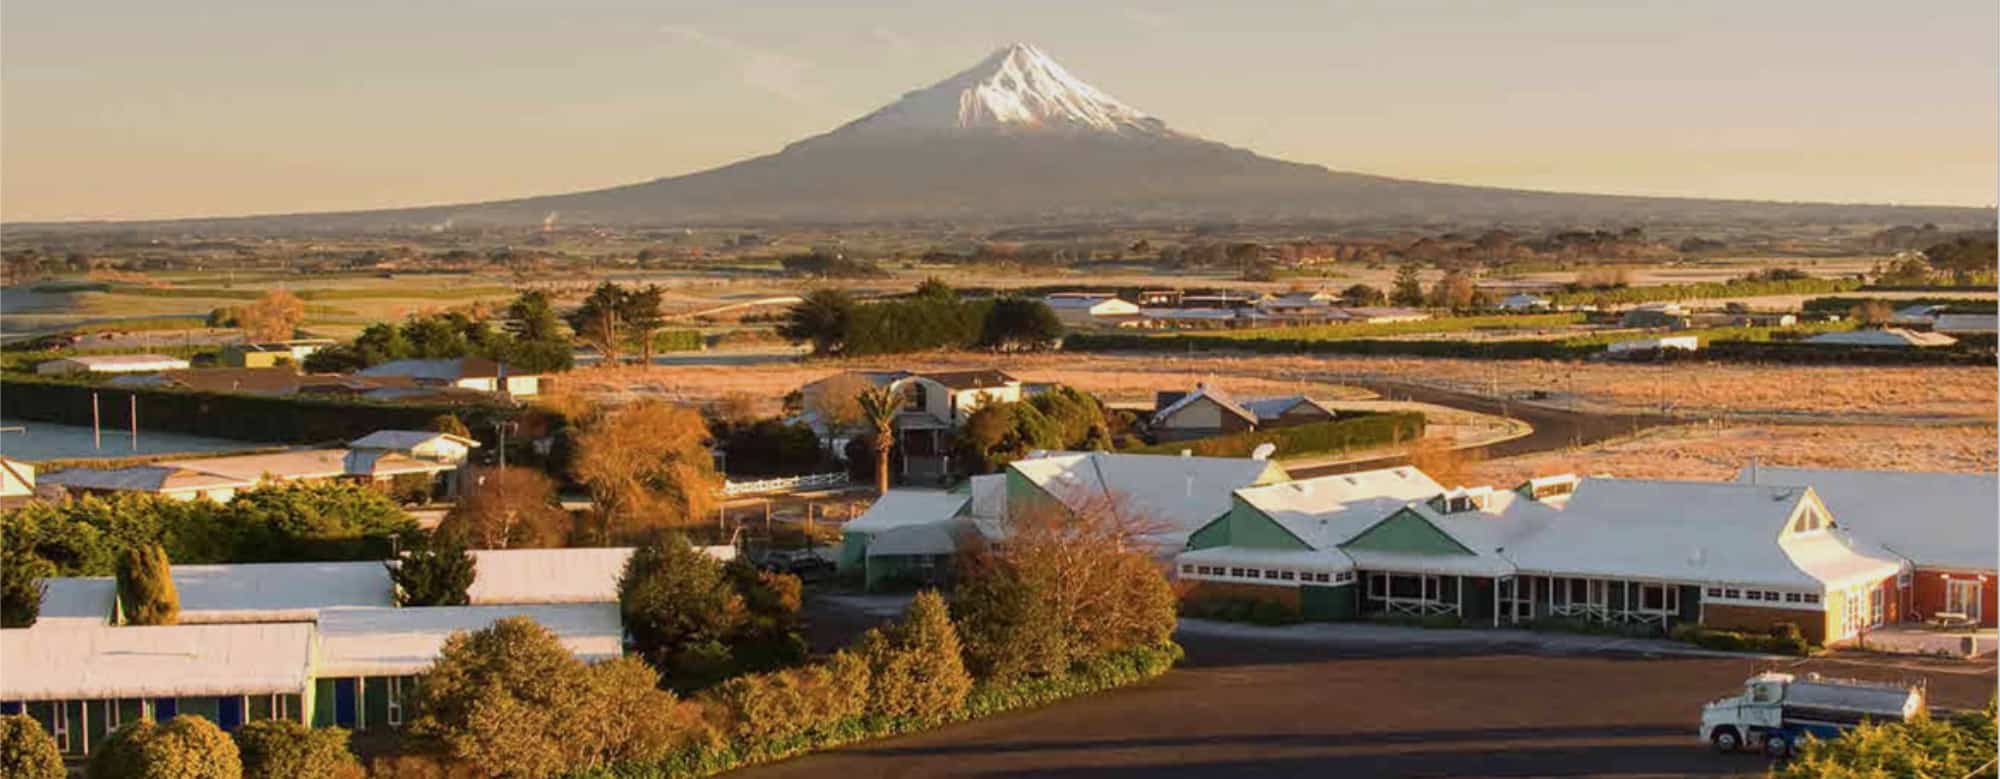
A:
x: 1016, y: 138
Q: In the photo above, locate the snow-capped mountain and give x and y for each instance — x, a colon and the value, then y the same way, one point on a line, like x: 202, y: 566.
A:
x: 1016, y: 89
x: 1017, y: 139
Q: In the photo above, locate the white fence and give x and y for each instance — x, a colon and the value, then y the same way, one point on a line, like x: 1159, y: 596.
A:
x: 785, y: 484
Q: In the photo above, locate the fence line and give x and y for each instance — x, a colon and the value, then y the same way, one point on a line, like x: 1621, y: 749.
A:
x: 785, y: 484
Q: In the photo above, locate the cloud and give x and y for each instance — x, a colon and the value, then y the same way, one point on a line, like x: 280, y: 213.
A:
x: 766, y: 70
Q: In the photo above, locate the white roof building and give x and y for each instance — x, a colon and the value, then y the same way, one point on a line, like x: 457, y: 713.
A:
x: 1966, y: 324
x: 538, y: 576
x: 77, y: 601
x: 903, y: 508
x: 72, y: 663
x: 1939, y: 521
x: 404, y: 642
x: 418, y: 443
x: 278, y: 592
x: 172, y: 481
x: 1172, y: 495
x: 110, y: 363
x: 1326, y: 511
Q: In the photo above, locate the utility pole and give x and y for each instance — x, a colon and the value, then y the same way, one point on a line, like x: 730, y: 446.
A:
x: 96, y: 424
x: 135, y: 421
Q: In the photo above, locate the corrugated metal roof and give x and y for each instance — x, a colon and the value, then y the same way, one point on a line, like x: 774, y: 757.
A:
x: 278, y: 592
x: 528, y: 576
x: 67, y: 663
x: 900, y: 508
x: 1942, y: 520
x: 400, y: 642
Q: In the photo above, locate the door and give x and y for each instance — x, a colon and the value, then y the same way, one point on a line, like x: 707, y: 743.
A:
x: 1963, y: 597
x: 229, y: 712
x: 343, y: 702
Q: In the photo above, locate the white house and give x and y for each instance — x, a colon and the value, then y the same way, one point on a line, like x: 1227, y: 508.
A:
x: 423, y: 444
x: 1886, y: 338
x: 1083, y: 309
x: 1685, y: 343
x: 1524, y: 301
x: 109, y: 363
x: 174, y: 482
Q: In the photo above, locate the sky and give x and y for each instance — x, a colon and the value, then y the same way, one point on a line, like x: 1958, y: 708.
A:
x: 125, y: 109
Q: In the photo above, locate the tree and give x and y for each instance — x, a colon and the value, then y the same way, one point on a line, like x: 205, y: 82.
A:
x: 511, y: 700
x: 917, y: 672
x: 507, y: 508
x: 937, y: 288
x: 640, y: 311
x: 21, y: 586
x: 879, y: 406
x: 1454, y: 291
x: 437, y: 573
x: 27, y: 751
x: 677, y: 605
x: 598, y: 321
x: 449, y: 424
x: 1074, y: 581
x: 1363, y: 295
x: 283, y: 749
x: 1872, y: 312
x: 272, y: 317
x: 648, y: 464
x: 1020, y: 324
x: 822, y: 317
x: 146, y: 594
x: 835, y: 400
x: 1408, y: 289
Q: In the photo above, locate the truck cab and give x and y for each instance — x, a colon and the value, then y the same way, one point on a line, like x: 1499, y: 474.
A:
x: 1730, y: 723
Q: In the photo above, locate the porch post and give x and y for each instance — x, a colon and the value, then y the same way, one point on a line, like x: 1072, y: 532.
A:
x: 1460, y: 580
x: 1496, y: 601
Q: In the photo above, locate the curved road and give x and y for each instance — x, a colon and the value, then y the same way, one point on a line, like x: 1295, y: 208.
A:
x: 1554, y: 428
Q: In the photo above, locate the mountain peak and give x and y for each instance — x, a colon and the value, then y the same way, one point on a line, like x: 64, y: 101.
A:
x: 1017, y: 88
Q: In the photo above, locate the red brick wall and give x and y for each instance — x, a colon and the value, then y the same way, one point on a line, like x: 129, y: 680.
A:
x: 1928, y: 596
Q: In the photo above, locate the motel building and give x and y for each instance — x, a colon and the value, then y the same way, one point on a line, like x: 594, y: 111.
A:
x: 1394, y: 542
x: 323, y: 644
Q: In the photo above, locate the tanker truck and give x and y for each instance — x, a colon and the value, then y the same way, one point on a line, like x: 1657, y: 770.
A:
x: 1777, y: 710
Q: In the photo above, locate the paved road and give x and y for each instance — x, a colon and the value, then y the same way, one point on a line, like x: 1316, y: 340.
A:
x: 1554, y: 428
x: 1243, y: 708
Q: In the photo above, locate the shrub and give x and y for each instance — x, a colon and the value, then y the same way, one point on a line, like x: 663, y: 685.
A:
x: 1962, y: 746
x: 185, y: 747
x: 21, y: 586
x: 283, y: 749
x: 675, y: 599
x: 1270, y: 612
x: 27, y: 751
x: 146, y: 594
x: 916, y: 669
x: 1782, y: 638
x: 438, y: 572
x: 119, y: 755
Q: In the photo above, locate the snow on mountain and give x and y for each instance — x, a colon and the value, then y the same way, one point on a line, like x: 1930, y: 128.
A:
x: 1017, y: 88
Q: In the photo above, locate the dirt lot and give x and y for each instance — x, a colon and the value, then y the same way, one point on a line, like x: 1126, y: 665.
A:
x: 1707, y: 452
x: 1853, y: 393
x: 1247, y: 709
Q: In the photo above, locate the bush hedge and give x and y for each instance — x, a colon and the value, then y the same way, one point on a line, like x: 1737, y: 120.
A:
x: 230, y: 415
x: 1705, y: 290
x: 678, y: 341
x: 1342, y: 435
x: 741, y: 748
x: 1783, y: 639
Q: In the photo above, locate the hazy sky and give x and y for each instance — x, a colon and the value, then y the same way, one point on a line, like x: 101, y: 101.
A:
x: 141, y: 108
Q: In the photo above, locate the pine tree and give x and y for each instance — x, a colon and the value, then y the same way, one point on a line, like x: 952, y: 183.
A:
x: 438, y: 574
x: 918, y: 672
x: 146, y: 591
x: 1408, y: 289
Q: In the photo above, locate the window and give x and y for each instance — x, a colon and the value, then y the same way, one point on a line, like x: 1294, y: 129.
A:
x: 1273, y: 575
x: 1285, y: 575
x: 1770, y: 596
x: 59, y: 719
x: 1730, y: 594
x: 1753, y: 595
x: 1187, y: 569
x: 1876, y: 605
x: 1791, y: 597
x: 1812, y: 597
x: 1715, y: 592
x: 1235, y: 572
x: 395, y: 701
x: 1652, y: 597
x: 111, y: 715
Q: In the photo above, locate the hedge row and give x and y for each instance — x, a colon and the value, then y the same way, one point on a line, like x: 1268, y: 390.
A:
x: 1745, y: 351
x: 1343, y: 435
x: 1841, y: 304
x: 1444, y: 324
x: 290, y: 420
x: 1096, y: 675
x: 1492, y: 350
x: 1784, y: 639
x: 1705, y: 290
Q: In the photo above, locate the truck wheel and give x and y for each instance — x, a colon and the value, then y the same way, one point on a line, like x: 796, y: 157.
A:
x: 1776, y: 746
x: 1725, y: 740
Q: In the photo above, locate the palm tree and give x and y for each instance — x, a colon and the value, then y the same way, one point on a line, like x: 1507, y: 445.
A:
x: 879, y: 406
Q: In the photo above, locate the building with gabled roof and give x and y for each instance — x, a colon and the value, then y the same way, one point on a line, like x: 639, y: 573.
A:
x: 109, y: 363
x: 1392, y: 541
x: 1942, y: 524
x: 177, y: 482
x: 1210, y: 411
x: 905, y: 533
x: 474, y: 373
x: 1174, y: 496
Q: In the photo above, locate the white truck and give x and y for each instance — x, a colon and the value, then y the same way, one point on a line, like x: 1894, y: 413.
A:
x: 1777, y: 710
